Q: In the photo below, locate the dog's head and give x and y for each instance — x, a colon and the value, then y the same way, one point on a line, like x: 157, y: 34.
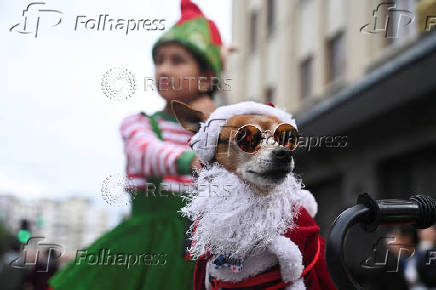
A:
x: 258, y: 148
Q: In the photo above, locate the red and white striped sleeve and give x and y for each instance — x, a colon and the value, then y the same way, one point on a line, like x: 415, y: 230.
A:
x: 146, y: 154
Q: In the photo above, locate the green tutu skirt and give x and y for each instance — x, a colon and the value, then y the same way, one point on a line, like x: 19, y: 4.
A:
x: 145, y: 251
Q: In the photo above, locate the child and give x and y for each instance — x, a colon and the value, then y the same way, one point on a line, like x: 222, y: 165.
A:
x: 159, y: 163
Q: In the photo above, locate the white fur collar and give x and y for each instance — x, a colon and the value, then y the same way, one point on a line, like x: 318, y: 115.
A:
x: 231, y: 219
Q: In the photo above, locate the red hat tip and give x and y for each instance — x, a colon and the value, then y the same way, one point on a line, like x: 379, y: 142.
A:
x: 189, y: 10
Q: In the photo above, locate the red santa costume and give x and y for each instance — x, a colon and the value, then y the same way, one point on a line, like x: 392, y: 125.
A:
x: 312, y: 246
x: 243, y: 240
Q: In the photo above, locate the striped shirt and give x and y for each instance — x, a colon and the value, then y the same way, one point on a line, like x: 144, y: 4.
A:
x: 149, y: 156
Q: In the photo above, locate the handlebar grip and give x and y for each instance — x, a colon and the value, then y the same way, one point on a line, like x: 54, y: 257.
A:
x: 419, y: 210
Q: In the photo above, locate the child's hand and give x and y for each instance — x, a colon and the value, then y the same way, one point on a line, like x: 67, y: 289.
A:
x: 203, y: 104
x: 196, y: 163
x: 428, y: 235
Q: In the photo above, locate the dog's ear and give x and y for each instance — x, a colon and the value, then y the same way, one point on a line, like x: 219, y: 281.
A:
x: 189, y: 119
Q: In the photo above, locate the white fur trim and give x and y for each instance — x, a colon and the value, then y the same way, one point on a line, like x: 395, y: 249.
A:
x: 290, y: 258
x: 253, y: 265
x: 206, y: 278
x: 232, y: 219
x: 297, y: 285
x: 204, y: 142
x: 308, y: 202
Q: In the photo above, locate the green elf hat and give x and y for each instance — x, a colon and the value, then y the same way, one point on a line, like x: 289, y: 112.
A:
x: 199, y: 34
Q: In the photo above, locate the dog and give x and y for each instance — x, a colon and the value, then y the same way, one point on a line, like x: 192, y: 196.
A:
x: 253, y: 224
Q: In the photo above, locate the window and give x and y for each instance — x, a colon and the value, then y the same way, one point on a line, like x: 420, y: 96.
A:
x: 335, y: 57
x: 253, y: 31
x: 270, y: 6
x: 269, y: 95
x: 325, y: 191
x: 306, y: 77
x: 402, y: 174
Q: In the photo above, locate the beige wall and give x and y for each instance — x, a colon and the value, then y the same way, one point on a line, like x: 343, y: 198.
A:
x: 302, y: 28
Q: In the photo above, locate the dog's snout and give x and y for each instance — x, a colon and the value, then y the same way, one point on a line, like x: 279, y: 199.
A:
x: 282, y: 154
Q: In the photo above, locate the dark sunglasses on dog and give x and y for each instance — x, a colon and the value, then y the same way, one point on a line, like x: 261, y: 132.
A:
x: 249, y: 137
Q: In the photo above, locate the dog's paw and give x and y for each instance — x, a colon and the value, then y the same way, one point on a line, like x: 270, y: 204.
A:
x: 291, y: 271
x: 308, y: 202
x: 290, y: 258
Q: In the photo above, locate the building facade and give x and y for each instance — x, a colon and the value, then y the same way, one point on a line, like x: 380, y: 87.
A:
x: 360, y: 78
x: 72, y: 222
x: 295, y: 53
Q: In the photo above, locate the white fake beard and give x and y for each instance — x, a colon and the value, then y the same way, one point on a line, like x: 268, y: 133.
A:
x: 232, y: 219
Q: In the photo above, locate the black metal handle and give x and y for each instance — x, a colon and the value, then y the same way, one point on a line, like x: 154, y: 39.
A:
x: 419, y: 210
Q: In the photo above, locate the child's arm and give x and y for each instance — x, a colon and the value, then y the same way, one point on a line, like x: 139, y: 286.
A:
x: 147, y: 154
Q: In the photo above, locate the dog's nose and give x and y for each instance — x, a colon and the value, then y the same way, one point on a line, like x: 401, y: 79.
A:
x: 282, y: 155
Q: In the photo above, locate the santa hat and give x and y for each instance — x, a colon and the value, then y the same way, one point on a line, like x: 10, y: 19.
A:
x: 204, y: 142
x: 199, y: 34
